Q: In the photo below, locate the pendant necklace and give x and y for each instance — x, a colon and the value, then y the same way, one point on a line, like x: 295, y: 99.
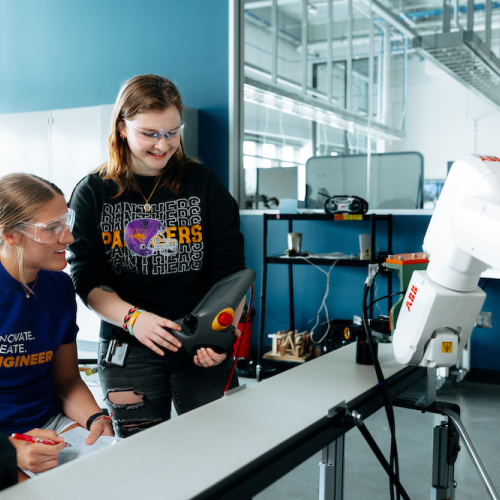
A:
x: 147, y: 206
x: 29, y: 290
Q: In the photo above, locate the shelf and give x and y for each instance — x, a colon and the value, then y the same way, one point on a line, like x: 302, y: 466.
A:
x: 377, y: 211
x: 317, y: 259
x: 326, y: 217
x: 320, y: 262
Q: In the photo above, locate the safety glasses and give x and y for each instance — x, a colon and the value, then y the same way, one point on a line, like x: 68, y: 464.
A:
x: 155, y: 135
x: 48, y: 232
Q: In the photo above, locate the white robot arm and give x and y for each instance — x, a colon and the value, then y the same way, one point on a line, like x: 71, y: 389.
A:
x: 441, y: 304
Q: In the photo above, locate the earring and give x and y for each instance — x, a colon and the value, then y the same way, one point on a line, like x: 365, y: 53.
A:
x: 123, y: 137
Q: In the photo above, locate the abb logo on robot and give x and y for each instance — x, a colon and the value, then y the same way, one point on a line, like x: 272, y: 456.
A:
x: 489, y: 158
x: 411, y: 296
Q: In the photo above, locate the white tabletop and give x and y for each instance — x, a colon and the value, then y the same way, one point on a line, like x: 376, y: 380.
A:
x: 180, y: 458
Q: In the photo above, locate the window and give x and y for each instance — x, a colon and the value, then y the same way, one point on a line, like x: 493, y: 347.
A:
x: 289, y: 113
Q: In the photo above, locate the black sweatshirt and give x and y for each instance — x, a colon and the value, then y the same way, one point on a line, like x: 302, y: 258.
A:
x: 163, y: 261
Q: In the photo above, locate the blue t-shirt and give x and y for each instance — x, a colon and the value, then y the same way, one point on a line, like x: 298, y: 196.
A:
x: 31, y: 331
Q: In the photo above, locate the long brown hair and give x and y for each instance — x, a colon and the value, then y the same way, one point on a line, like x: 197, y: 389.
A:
x: 22, y: 196
x: 138, y: 95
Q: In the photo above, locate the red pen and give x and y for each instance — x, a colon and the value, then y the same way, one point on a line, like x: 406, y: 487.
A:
x: 33, y: 439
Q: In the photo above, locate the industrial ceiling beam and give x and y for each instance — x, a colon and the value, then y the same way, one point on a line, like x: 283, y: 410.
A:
x: 391, y: 18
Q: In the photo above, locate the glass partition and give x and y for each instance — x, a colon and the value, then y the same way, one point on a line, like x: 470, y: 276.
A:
x: 314, y: 87
x: 395, y: 180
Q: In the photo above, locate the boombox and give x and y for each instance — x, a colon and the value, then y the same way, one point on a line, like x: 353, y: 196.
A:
x: 346, y: 205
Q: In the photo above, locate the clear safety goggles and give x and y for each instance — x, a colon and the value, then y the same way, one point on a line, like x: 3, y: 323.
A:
x: 48, y: 232
x: 155, y: 135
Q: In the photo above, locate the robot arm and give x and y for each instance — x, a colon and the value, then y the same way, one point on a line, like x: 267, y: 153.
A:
x: 441, y: 304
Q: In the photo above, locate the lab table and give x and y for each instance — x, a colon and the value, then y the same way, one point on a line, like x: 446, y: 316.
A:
x: 236, y: 446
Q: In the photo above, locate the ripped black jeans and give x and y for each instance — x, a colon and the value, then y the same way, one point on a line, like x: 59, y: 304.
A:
x: 140, y: 393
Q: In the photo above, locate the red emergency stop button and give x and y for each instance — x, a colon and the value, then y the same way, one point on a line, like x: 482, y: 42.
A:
x: 225, y: 318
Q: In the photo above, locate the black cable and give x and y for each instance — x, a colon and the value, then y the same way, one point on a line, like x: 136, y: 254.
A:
x: 385, y: 397
x: 378, y: 453
x: 383, y: 388
x: 394, y: 461
x: 386, y: 297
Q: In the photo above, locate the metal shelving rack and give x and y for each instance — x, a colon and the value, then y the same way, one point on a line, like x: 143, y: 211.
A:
x: 374, y: 219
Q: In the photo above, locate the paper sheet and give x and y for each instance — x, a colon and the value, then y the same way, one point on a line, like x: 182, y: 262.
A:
x: 76, y: 437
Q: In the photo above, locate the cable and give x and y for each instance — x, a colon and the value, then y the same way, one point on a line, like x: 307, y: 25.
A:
x: 323, y: 302
x: 376, y: 295
x: 378, y: 453
x: 241, y: 341
x: 394, y: 461
x: 386, y: 297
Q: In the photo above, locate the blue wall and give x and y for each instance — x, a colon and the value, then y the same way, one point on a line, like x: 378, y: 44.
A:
x: 346, y: 284
x: 65, y: 53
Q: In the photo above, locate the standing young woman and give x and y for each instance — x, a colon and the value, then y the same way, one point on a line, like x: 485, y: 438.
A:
x: 154, y: 231
x: 41, y: 391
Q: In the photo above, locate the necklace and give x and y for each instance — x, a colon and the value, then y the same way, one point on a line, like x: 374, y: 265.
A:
x: 147, y: 206
x: 29, y: 290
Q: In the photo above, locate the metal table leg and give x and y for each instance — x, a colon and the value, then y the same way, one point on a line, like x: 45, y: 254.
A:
x: 331, y: 472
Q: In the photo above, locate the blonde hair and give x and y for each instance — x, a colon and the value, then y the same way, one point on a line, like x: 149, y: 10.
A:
x: 141, y: 94
x: 21, y: 198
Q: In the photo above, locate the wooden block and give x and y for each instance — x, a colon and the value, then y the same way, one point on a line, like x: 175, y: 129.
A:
x: 274, y: 338
x: 299, y: 345
x: 282, y: 348
x: 288, y: 357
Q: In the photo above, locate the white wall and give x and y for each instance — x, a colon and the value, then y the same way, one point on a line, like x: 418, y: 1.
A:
x: 62, y: 146
x: 445, y: 120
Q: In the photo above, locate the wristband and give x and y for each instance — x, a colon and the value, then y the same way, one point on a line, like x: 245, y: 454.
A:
x: 127, y: 317
x: 132, y: 320
x: 97, y: 416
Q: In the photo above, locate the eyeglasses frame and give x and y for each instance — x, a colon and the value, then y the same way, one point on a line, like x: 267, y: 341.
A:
x: 70, y: 214
x: 157, y: 133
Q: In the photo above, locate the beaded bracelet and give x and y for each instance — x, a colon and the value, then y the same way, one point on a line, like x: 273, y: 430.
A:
x: 97, y: 416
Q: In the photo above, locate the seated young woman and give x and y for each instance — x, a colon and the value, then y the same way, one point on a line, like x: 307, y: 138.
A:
x: 41, y: 391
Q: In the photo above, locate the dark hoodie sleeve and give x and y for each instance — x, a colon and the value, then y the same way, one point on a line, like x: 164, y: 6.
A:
x: 89, y: 268
x: 225, y: 248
